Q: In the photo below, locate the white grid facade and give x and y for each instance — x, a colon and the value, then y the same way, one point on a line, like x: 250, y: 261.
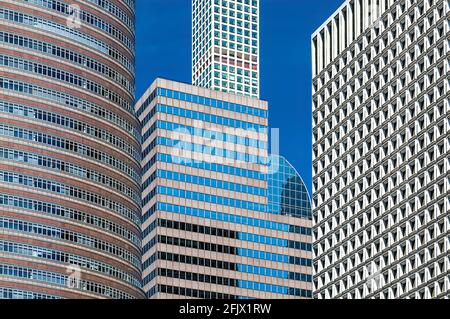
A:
x: 225, y: 46
x: 381, y: 150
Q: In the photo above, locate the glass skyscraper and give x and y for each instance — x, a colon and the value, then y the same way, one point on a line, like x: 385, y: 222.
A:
x: 225, y: 48
x: 208, y: 231
x: 69, y: 151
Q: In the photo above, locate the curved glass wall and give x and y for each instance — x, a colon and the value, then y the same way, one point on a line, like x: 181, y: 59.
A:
x: 288, y: 194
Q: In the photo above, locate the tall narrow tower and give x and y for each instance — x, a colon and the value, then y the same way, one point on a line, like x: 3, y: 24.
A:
x: 225, y: 46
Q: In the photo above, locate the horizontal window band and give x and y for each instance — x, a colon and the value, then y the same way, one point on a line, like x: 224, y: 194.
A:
x: 69, y: 123
x: 69, y: 259
x: 59, y: 279
x: 70, y: 146
x: 62, y: 30
x: 215, y: 136
x: 225, y: 249
x: 117, y: 11
x: 71, y: 56
x: 208, y: 166
x: 225, y: 233
x: 58, y: 211
x: 225, y: 281
x: 180, y: 146
x: 70, y: 101
x: 226, y: 265
x: 203, y: 181
x: 68, y: 191
x: 87, y: 17
x: 50, y: 72
x: 54, y: 164
x: 201, y: 100
x: 69, y: 236
x: 202, y: 197
x: 230, y: 218
x: 206, y: 117
x: 14, y: 293
x: 189, y: 292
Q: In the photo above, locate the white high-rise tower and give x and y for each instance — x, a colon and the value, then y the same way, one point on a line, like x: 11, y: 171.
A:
x: 381, y: 150
x: 225, y: 52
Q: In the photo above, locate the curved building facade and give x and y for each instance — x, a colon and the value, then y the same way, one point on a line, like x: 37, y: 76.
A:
x: 287, y: 194
x: 69, y: 150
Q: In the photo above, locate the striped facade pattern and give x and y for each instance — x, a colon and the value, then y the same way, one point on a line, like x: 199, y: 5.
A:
x: 69, y: 150
x: 207, y: 231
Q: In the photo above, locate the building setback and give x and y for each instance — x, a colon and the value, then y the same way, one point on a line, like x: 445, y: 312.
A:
x: 207, y: 229
x: 225, y: 47
x: 381, y: 149
x: 69, y: 151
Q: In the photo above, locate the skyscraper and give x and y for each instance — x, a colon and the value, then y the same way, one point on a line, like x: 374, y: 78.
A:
x: 225, y: 47
x: 208, y: 232
x: 69, y: 151
x: 381, y: 149
x: 217, y: 221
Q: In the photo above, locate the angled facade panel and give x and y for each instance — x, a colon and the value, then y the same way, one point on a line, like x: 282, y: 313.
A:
x: 381, y: 149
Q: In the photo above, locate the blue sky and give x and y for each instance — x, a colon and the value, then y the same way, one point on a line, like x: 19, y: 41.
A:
x: 164, y: 49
